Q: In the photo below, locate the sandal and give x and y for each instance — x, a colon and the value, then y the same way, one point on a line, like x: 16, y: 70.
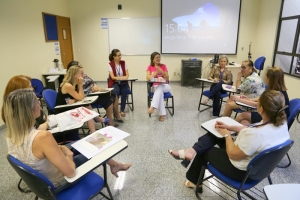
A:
x: 150, y: 110
x: 189, y: 184
x: 185, y: 162
x: 122, y: 114
x: 161, y: 118
x: 205, y: 101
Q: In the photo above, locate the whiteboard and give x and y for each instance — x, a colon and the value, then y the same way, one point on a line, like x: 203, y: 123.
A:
x: 135, y: 36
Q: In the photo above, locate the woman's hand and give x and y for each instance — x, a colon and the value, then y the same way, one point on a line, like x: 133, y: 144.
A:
x: 244, y: 97
x: 239, y: 75
x: 223, y: 131
x: 220, y: 124
x: 80, y: 81
x: 71, y: 101
x: 216, y: 80
x: 235, y: 97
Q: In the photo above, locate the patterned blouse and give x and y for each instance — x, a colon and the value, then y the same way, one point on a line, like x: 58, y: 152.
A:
x: 253, y: 86
x: 216, y: 73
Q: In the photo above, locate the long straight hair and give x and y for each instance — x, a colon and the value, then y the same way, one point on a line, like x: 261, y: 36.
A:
x: 70, y: 75
x: 276, y: 79
x: 19, y: 106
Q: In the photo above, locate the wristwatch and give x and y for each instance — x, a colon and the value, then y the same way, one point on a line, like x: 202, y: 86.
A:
x: 226, y: 135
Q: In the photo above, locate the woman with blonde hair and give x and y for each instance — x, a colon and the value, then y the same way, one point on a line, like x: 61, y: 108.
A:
x: 71, y: 90
x: 37, y: 148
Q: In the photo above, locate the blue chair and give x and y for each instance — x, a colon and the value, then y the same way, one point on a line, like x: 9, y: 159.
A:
x: 38, y: 88
x: 294, y: 112
x: 207, y: 93
x: 167, y: 96
x: 50, y: 96
x: 260, y: 167
x: 87, y: 187
x: 259, y: 64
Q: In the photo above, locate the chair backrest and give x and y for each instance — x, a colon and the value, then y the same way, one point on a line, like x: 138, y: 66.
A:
x: 266, y: 161
x: 294, y: 110
x: 50, y: 96
x: 38, y: 183
x: 259, y: 63
x: 37, y: 85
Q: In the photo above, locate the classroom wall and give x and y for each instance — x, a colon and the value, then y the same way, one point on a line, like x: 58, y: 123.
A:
x: 23, y: 47
x: 90, y: 42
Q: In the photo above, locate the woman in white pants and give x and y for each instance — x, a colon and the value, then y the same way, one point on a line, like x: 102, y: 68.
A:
x: 158, y: 70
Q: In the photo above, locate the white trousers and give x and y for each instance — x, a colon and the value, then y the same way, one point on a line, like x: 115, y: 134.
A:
x: 158, y: 98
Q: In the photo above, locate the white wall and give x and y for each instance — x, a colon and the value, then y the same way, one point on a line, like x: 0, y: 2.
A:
x: 23, y: 47
x: 92, y: 41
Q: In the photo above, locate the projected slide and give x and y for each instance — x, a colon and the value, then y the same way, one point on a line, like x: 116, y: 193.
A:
x: 200, y: 26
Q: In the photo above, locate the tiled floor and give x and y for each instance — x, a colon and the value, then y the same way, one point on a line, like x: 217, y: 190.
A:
x: 154, y: 173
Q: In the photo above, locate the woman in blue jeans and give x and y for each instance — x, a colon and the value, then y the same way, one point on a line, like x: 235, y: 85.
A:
x: 220, y: 74
x: 118, y: 75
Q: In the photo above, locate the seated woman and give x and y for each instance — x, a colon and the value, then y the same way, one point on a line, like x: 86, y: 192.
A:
x: 41, y: 122
x: 220, y: 75
x: 108, y: 101
x: 71, y: 89
x: 275, y: 81
x: 37, y: 148
x: 156, y: 70
x: 232, y: 157
x: 252, y: 87
x: 118, y: 74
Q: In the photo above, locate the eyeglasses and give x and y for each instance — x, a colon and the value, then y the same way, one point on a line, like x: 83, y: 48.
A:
x: 243, y: 67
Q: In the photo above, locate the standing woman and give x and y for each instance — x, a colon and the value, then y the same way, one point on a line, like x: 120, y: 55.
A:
x: 156, y: 70
x: 118, y: 75
x: 220, y: 75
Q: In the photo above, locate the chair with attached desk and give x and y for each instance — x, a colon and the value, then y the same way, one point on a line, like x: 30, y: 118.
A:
x: 294, y: 111
x: 259, y: 64
x: 38, y: 88
x: 129, y: 101
x: 260, y: 167
x: 50, y: 96
x: 167, y: 96
x: 87, y: 187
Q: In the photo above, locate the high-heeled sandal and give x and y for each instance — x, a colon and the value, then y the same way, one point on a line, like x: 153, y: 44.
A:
x: 122, y: 114
x: 119, y: 167
x: 189, y: 184
x: 185, y: 162
x: 161, y: 118
x: 118, y: 120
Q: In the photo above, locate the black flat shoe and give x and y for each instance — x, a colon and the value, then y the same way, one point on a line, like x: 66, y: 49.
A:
x: 185, y: 163
x: 119, y: 120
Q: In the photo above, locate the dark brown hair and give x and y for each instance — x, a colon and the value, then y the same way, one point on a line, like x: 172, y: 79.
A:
x: 152, y: 57
x: 112, y: 54
x: 276, y: 79
x: 273, y: 103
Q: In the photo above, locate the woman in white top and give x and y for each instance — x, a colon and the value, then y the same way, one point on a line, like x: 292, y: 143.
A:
x: 118, y: 75
x: 232, y: 158
x: 37, y: 148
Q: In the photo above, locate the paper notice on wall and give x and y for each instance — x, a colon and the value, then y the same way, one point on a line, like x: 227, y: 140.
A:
x: 56, y: 47
x: 104, y: 24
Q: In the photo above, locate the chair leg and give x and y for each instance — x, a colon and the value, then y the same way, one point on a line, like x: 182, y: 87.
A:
x: 21, y: 189
x: 286, y: 166
x: 105, y: 183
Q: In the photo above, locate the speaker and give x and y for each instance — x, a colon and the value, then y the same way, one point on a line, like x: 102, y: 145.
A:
x: 190, y: 70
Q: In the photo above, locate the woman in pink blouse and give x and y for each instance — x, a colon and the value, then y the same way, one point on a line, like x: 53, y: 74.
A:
x: 158, y: 70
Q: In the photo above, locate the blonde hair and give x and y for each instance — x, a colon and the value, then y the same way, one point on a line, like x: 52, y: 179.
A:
x: 227, y: 61
x: 69, y: 77
x: 19, y: 106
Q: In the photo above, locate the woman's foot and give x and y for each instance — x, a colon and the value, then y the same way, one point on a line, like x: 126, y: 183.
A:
x: 161, y: 118
x: 205, y: 101
x: 187, y: 154
x: 150, y: 110
x: 119, y: 167
x: 102, y: 120
x: 189, y: 184
x: 122, y: 114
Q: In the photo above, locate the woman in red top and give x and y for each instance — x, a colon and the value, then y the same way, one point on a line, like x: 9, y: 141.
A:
x: 118, y: 75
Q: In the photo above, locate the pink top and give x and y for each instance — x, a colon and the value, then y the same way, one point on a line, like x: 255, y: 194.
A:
x: 152, y: 69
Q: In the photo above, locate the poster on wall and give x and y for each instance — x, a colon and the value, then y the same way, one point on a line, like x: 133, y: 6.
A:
x: 104, y: 23
x: 56, y: 47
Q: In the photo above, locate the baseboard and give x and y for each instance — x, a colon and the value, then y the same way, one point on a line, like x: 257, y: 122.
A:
x: 3, y: 126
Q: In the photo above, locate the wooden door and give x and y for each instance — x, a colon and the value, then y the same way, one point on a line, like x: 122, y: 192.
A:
x: 65, y: 40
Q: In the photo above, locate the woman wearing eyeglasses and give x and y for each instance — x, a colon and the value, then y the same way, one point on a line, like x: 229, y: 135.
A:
x: 118, y: 75
x: 248, y: 83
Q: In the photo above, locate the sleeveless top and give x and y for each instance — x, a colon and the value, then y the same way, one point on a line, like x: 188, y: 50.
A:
x: 61, y: 100
x: 24, y: 154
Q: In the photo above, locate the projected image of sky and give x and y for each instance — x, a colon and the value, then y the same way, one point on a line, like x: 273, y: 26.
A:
x: 207, y: 15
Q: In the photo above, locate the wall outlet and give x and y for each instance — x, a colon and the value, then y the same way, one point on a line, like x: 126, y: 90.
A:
x: 174, y: 73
